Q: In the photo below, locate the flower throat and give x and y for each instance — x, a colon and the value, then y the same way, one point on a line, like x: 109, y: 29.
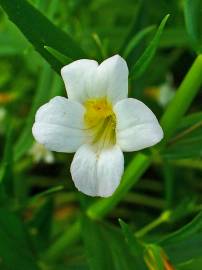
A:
x: 100, y: 122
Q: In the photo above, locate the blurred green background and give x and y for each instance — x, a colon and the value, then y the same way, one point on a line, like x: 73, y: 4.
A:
x: 153, y: 221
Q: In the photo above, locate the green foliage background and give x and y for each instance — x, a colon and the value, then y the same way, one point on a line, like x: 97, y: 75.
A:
x: 154, y: 220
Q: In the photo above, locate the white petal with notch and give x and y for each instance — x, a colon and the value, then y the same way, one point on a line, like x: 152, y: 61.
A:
x: 137, y: 126
x: 59, y: 125
x: 97, y: 174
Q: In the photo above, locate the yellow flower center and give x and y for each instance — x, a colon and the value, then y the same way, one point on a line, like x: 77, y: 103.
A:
x: 100, y: 122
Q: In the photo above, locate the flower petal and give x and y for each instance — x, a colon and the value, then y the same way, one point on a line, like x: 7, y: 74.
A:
x: 59, y: 125
x: 137, y: 126
x: 78, y: 78
x: 97, y: 174
x: 112, y: 79
x: 84, y: 79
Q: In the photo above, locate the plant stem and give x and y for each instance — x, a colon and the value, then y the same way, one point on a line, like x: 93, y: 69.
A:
x: 47, y: 192
x: 182, y: 100
x: 69, y: 237
x: 185, y: 132
x: 164, y: 217
x: 132, y: 174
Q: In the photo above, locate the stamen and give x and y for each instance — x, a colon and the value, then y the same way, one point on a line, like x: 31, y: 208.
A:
x: 100, y: 122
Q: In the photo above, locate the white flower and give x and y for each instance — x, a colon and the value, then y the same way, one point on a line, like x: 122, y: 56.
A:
x: 98, y: 122
x: 166, y: 91
x: 40, y: 153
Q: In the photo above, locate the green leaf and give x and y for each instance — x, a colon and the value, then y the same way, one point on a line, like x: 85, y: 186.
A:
x: 193, y: 21
x: 6, y: 169
x: 12, y: 42
x: 48, y: 192
x: 182, y: 100
x: 188, y: 139
x: 184, y: 244
x: 15, y: 252
x: 190, y: 147
x: 191, y: 265
x: 103, y: 248
x: 3, y: 194
x: 185, y: 250
x: 183, y: 209
x: 48, y: 82
x: 139, y: 19
x: 136, y: 39
x: 137, y: 249
x: 190, y: 120
x: 145, y: 59
x: 174, y: 37
x: 41, y: 32
x: 188, y: 230
x: 59, y: 56
x: 40, y: 226
x: 64, y: 241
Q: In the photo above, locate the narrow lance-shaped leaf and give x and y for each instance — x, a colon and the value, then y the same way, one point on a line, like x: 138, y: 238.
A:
x: 182, y: 100
x: 137, y: 249
x: 26, y: 139
x: 41, y: 223
x: 145, y: 59
x: 15, y: 250
x: 193, y: 21
x: 139, y: 18
x: 59, y: 56
x: 49, y: 85
x: 103, y: 248
x: 189, y: 236
x: 64, y: 241
x: 136, y: 39
x: 41, y: 32
x: 184, y: 232
x: 6, y: 169
x: 190, y: 120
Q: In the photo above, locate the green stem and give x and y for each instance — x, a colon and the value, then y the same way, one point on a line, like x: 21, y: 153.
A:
x: 132, y: 174
x: 164, y: 217
x: 48, y: 192
x: 69, y: 237
x: 100, y: 46
x: 188, y: 163
x: 182, y: 100
x: 185, y: 132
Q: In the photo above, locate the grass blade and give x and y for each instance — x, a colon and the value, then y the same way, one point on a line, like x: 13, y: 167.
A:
x: 145, y: 59
x: 41, y: 32
x: 136, y: 39
x: 184, y: 232
x: 137, y: 249
x: 192, y: 13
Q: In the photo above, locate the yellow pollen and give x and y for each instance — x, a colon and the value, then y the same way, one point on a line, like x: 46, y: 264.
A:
x: 100, y: 122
